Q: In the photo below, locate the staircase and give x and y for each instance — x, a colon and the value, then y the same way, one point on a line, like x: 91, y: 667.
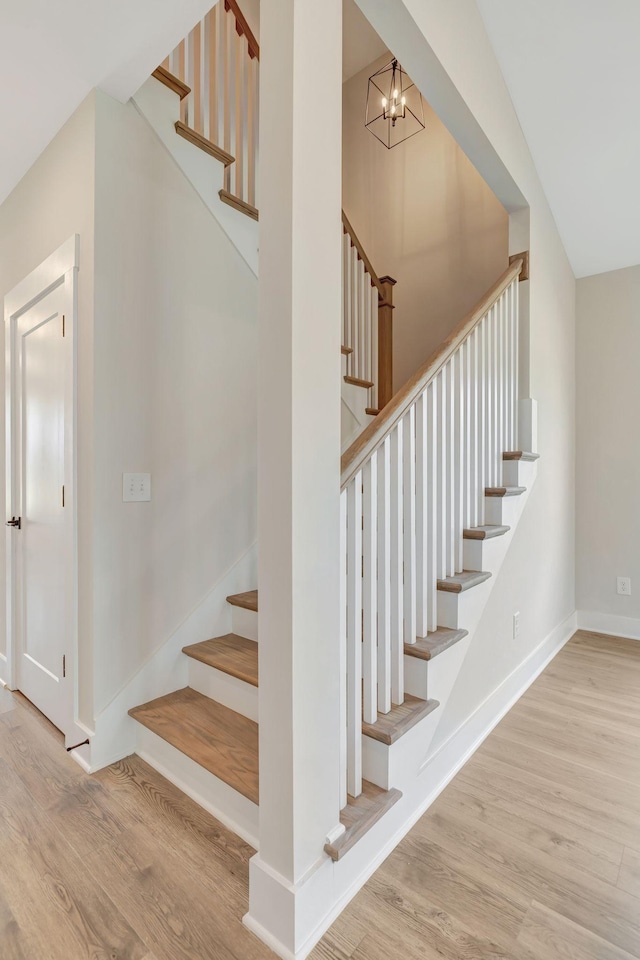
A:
x: 432, y: 487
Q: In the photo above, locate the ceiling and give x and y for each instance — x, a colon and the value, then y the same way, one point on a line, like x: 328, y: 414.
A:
x: 361, y: 45
x: 573, y: 70
x: 54, y: 53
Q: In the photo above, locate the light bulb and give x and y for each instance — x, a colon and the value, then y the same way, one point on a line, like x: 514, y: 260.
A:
x: 384, y: 102
x: 393, y: 108
x: 395, y: 94
x: 404, y: 100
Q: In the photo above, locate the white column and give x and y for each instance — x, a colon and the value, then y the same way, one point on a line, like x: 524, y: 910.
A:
x: 298, y: 463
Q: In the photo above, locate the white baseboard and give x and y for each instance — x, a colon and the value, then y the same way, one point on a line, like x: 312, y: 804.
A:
x: 610, y: 624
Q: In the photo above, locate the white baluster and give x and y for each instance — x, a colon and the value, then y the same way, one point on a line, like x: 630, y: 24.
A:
x: 458, y: 363
x: 472, y: 429
x: 241, y: 59
x: 354, y: 636
x: 254, y: 114
x: 409, y: 526
x: 431, y: 479
x: 384, y: 576
x: 354, y: 311
x: 482, y: 418
x: 441, y: 385
x: 397, y: 557
x: 451, y: 495
x: 343, y: 649
x: 516, y: 362
x: 369, y: 590
x: 423, y: 521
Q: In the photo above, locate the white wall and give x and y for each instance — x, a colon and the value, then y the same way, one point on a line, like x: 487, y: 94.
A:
x: 175, y: 395
x: 426, y: 217
x: 608, y: 461
x: 53, y: 201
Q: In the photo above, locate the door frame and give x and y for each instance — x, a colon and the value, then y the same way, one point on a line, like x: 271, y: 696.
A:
x: 58, y: 270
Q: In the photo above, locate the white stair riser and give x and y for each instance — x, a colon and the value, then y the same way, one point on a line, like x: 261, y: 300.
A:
x: 244, y: 623
x: 416, y: 673
x: 217, y: 797
x: 482, y: 554
x: 395, y: 766
x: 444, y: 669
x: 229, y: 691
x: 458, y: 610
x: 502, y: 510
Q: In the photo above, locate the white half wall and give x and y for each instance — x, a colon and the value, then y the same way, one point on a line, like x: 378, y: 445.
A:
x: 608, y: 463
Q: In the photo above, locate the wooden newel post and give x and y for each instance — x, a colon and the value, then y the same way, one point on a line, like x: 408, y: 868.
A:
x: 385, y: 342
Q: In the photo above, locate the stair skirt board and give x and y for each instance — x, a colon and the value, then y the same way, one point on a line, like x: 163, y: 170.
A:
x: 225, y: 689
x: 236, y: 812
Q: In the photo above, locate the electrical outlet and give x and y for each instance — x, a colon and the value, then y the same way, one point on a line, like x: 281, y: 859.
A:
x: 136, y: 487
x: 624, y: 586
x: 516, y: 625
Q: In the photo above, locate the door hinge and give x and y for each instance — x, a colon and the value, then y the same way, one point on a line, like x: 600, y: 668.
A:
x: 64, y: 665
x: 63, y: 324
x: 63, y: 494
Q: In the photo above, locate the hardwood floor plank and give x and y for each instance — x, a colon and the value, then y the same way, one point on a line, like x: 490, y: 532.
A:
x: 548, y: 935
x: 155, y: 890
x: 560, y: 838
x: 51, y: 892
x: 525, y: 873
x: 629, y: 877
x: 531, y: 853
x: 171, y: 814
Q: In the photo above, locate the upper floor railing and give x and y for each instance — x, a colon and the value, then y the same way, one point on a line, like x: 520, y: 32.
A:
x: 219, y: 62
x: 367, y: 313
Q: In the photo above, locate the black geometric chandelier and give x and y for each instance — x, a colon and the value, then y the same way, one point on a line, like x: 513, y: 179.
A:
x: 395, y: 110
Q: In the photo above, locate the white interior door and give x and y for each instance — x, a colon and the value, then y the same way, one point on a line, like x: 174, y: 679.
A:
x: 42, y: 579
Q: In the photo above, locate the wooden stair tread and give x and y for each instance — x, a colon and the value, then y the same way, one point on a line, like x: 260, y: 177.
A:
x: 231, y: 654
x: 463, y: 581
x: 426, y: 648
x: 345, y: 351
x: 248, y: 600
x: 198, y: 140
x: 222, y: 741
x: 520, y: 455
x: 360, y: 814
x: 359, y: 383
x: 503, y: 491
x: 170, y: 80
x: 372, y: 411
x: 389, y: 727
x: 485, y: 532
x: 231, y: 200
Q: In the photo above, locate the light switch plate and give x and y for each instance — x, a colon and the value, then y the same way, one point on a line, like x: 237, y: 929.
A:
x: 136, y: 487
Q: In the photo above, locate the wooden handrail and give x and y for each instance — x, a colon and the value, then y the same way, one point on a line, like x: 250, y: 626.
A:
x: 243, y: 28
x: 371, y: 438
x: 365, y: 259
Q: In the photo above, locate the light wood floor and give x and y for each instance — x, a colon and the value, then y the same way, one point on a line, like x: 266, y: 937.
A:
x: 531, y: 853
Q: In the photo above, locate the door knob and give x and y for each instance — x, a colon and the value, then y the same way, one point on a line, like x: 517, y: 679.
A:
x: 15, y: 522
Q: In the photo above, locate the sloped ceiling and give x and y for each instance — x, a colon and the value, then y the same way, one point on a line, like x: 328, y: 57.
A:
x: 573, y: 70
x: 54, y: 52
